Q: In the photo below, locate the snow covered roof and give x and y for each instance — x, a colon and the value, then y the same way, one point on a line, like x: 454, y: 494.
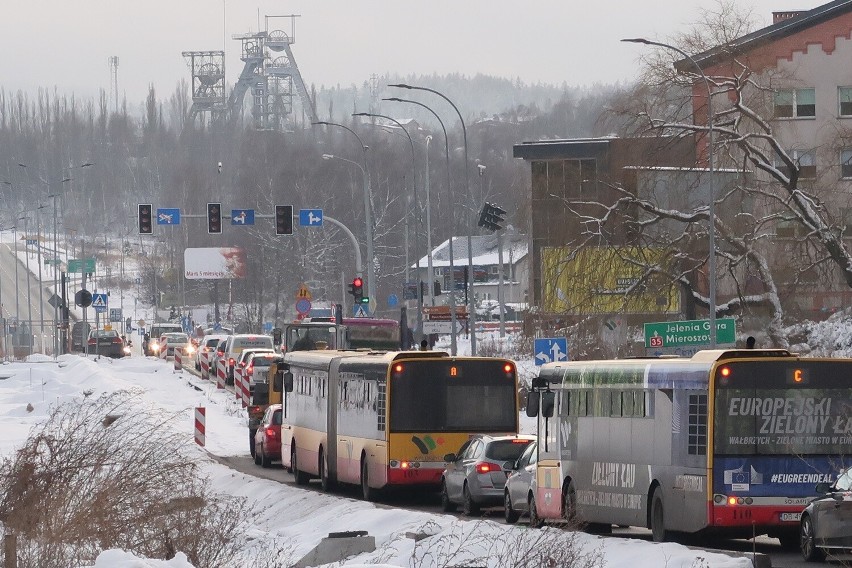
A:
x: 485, y: 253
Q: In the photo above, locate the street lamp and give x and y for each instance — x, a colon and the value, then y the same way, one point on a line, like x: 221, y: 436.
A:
x: 471, y: 322
x: 368, y: 217
x: 358, y: 270
x: 453, y: 334
x: 417, y: 218
x: 711, y: 213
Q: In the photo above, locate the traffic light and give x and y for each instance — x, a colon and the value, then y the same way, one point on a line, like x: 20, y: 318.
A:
x: 146, y: 221
x: 357, y: 290
x: 491, y: 217
x: 283, y: 219
x: 214, y: 218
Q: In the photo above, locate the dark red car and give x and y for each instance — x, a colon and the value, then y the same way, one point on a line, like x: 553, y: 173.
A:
x: 267, y: 440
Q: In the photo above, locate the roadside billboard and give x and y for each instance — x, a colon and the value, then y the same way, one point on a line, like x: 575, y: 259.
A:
x: 214, y: 263
x: 603, y: 280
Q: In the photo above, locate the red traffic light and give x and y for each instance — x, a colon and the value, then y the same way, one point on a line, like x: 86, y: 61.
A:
x: 357, y: 282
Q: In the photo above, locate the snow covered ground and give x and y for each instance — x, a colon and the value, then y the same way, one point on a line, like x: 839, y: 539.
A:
x: 289, y: 516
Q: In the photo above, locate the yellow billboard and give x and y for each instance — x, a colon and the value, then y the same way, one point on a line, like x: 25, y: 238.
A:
x: 605, y: 280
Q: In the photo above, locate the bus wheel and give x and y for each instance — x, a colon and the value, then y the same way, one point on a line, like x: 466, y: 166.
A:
x: 323, y: 470
x: 469, y: 506
x: 446, y: 505
x: 367, y: 492
x: 658, y: 525
x: 807, y: 542
x: 301, y: 476
x: 536, y: 522
x: 510, y: 514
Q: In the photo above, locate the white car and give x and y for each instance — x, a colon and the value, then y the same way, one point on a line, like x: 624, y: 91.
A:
x: 257, y: 366
x: 242, y: 361
x: 236, y: 344
x: 207, y: 344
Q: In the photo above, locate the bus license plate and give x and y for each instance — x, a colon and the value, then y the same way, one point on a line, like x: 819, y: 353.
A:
x: 791, y: 517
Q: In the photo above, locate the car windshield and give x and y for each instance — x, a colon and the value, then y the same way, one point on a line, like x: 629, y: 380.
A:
x: 506, y: 450
x: 263, y: 360
x: 176, y: 337
x: 104, y: 333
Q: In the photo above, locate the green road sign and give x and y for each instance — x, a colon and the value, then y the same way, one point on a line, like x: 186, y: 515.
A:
x: 667, y: 334
x: 81, y: 265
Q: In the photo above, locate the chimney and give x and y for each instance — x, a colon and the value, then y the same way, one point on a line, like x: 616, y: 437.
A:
x: 781, y: 16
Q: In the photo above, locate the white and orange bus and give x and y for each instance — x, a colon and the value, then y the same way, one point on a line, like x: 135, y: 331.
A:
x: 725, y: 442
x: 385, y: 419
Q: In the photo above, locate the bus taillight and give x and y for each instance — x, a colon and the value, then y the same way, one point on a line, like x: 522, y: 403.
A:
x: 508, y: 368
x: 397, y: 368
x: 725, y: 371
x: 732, y: 500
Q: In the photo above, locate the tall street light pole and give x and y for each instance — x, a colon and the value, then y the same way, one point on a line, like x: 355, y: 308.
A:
x: 430, y: 271
x: 368, y: 217
x: 417, y: 221
x: 453, y: 318
x: 471, y: 322
x: 711, y: 208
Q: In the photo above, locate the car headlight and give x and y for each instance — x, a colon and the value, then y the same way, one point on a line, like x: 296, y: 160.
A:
x: 155, y: 347
x: 190, y: 349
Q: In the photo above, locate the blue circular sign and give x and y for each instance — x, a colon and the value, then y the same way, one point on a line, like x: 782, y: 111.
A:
x: 393, y: 300
x: 303, y: 305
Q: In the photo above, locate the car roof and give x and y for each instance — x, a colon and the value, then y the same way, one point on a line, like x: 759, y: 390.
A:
x: 488, y: 438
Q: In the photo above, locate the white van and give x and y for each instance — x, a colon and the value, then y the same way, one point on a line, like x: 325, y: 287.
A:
x: 152, y: 346
x: 235, y: 345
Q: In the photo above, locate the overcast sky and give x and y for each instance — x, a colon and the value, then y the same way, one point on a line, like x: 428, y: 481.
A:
x: 66, y: 44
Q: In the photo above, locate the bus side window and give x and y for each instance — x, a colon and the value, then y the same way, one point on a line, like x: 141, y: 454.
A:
x: 547, y: 403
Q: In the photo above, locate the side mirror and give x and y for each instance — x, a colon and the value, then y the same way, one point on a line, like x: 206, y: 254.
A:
x: 277, y: 381
x: 539, y: 383
x: 288, y: 382
x: 532, y: 403
x: 450, y: 458
x: 548, y: 399
x: 823, y: 487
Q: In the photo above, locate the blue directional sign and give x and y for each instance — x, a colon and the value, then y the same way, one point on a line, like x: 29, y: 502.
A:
x: 393, y: 300
x: 310, y: 217
x: 550, y: 349
x: 99, y: 302
x: 242, y: 216
x: 168, y: 216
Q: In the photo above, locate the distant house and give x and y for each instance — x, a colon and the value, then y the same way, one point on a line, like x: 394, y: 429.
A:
x: 486, y: 269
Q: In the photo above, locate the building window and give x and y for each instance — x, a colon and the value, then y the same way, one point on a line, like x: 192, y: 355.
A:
x: 846, y: 163
x: 805, y: 159
x: 795, y: 103
x: 844, y: 100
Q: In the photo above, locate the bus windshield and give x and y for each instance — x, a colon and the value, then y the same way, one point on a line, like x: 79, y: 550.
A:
x: 365, y: 333
x: 453, y: 396
x: 783, y: 407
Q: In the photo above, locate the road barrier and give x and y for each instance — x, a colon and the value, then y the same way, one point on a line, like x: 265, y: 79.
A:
x: 221, y: 373
x: 178, y: 359
x: 204, y: 360
x: 200, y: 419
x: 246, y: 390
x: 164, y: 347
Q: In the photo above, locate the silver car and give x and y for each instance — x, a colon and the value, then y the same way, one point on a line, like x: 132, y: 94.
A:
x: 516, y: 496
x: 476, y: 476
x: 826, y: 522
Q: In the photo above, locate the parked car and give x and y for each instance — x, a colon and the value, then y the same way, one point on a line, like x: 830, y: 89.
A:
x: 826, y: 522
x: 519, y: 485
x: 476, y: 476
x: 237, y: 343
x: 106, y: 342
x: 267, y: 439
x: 207, y: 344
x: 257, y: 367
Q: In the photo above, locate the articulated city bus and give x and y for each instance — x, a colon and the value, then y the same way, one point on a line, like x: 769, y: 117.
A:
x: 381, y: 420
x: 731, y: 442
